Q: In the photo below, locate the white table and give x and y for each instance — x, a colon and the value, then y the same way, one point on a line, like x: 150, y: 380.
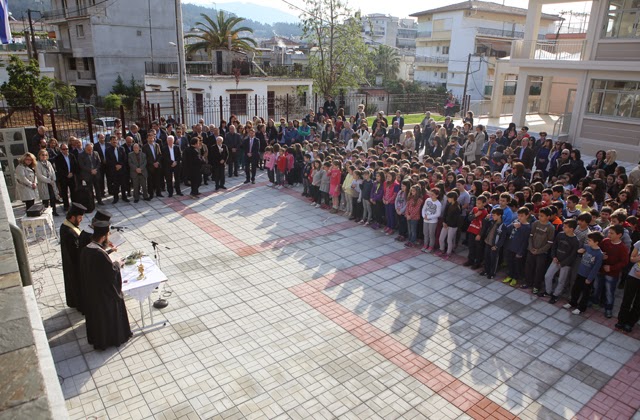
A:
x: 141, y: 289
x: 30, y: 226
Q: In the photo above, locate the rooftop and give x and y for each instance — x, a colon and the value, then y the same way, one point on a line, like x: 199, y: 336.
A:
x: 482, y: 6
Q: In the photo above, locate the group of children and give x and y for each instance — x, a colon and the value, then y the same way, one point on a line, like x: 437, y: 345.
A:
x: 550, y: 235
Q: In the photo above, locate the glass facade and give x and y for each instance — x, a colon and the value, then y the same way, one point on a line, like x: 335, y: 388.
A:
x: 615, y: 98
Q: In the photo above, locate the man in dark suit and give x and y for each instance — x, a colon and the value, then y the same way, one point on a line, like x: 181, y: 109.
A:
x: 394, y: 133
x: 192, y: 164
x: 218, y: 156
x: 117, y: 159
x: 135, y: 134
x: 66, y: 166
x: 251, y: 149
x: 160, y: 135
x: 525, y: 154
x: 34, y: 144
x: 89, y: 162
x: 154, y: 165
x: 101, y: 148
x: 171, y: 159
x: 398, y: 118
x: 233, y: 142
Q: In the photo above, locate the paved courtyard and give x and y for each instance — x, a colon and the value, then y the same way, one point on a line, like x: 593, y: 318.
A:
x: 281, y: 310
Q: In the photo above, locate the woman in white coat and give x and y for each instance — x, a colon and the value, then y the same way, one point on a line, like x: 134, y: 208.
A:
x: 354, y: 143
x: 470, y: 147
x: 47, y: 188
x: 26, y: 180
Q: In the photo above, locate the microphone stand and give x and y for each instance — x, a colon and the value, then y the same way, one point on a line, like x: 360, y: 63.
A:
x: 160, y: 303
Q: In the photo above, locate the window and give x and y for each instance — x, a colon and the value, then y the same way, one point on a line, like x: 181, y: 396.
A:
x: 453, y: 75
x: 199, y: 103
x: 623, y: 19
x: 445, y: 50
x: 238, y: 104
x: 86, y: 64
x: 80, y: 31
x: 615, y: 98
x: 72, y: 64
x: 138, y: 33
x: 443, y: 75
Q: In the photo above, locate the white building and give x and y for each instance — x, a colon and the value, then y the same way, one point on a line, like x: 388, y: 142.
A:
x: 484, y: 31
x: 389, y: 30
x: 97, y: 40
x: 214, y: 95
x: 603, y: 108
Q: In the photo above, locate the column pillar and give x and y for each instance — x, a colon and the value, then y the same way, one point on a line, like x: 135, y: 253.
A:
x: 522, y: 98
x: 531, y: 29
x: 545, y: 94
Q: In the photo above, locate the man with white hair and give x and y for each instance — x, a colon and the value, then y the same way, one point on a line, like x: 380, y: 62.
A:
x: 218, y: 156
x: 172, y: 157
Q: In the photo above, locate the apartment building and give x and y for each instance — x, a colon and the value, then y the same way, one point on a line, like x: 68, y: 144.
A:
x: 603, y: 110
x: 389, y: 30
x: 484, y: 31
x: 99, y: 40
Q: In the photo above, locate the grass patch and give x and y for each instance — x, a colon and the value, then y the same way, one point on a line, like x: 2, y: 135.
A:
x: 408, y: 118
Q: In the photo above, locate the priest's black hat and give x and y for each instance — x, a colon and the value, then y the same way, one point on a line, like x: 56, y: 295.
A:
x: 77, y: 209
x: 102, y: 215
x: 100, y: 228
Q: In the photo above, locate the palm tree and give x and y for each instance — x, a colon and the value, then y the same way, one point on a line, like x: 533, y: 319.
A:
x: 215, y: 34
x: 386, y: 61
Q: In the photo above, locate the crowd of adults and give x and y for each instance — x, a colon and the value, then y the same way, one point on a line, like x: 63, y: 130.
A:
x: 506, y: 195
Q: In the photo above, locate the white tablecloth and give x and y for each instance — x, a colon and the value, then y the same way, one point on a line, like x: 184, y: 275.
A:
x: 141, y: 289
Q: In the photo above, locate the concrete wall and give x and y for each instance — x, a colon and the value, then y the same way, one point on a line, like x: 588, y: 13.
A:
x: 29, y: 387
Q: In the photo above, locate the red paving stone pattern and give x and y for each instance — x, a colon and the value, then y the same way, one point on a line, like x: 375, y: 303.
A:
x: 619, y: 398
x: 441, y: 382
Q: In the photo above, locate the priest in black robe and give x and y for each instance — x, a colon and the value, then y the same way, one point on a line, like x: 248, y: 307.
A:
x: 70, y: 250
x: 107, y: 322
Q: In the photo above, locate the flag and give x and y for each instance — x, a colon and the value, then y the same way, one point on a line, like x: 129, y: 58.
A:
x: 5, y: 28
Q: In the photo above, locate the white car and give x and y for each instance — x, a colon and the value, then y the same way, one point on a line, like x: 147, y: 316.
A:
x: 104, y: 125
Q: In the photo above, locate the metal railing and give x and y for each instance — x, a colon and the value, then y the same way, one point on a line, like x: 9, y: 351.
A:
x: 41, y: 44
x: 569, y: 50
x: 424, y: 34
x: 562, y: 125
x: 246, y: 68
x: 504, y: 33
x: 433, y: 60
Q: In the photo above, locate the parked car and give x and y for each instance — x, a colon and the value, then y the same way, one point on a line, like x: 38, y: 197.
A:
x: 104, y: 125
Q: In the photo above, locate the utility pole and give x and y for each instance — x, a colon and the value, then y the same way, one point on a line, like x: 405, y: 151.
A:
x: 182, y: 65
x: 466, y: 84
x: 33, y: 36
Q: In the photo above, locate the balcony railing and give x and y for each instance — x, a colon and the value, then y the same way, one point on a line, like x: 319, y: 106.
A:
x: 246, y: 68
x: 569, y: 50
x: 69, y: 12
x: 433, y: 60
x: 41, y: 45
x: 504, y: 33
x: 424, y: 34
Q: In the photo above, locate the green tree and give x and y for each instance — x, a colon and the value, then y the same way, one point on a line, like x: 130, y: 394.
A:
x: 386, y: 62
x: 215, y: 34
x: 112, y: 101
x: 339, y: 57
x: 24, y: 82
x: 128, y: 93
x: 64, y: 92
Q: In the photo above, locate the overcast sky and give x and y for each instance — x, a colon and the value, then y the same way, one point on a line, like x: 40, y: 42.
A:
x: 400, y: 8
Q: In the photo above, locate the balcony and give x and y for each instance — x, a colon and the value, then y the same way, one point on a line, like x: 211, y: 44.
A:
x: 61, y: 15
x: 41, y: 45
x: 431, y: 61
x: 424, y: 34
x: 246, y: 68
x: 569, y: 50
x: 503, y: 33
x: 81, y: 76
x: 435, y: 35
